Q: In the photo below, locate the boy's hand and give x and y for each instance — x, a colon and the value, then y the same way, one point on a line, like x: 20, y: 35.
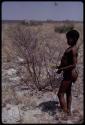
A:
x: 57, y: 67
x: 59, y: 71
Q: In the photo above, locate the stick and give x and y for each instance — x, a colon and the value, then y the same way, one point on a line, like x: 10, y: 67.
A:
x: 67, y: 67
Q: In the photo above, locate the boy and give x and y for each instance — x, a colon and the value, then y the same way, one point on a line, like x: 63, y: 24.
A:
x: 69, y: 58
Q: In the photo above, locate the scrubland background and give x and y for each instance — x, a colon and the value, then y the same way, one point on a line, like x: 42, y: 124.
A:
x: 29, y: 83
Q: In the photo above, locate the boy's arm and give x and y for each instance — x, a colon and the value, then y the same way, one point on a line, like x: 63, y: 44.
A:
x: 63, y: 61
x: 74, y: 58
x: 74, y: 55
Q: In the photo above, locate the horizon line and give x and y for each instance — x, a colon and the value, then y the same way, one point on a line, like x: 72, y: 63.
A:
x: 39, y: 20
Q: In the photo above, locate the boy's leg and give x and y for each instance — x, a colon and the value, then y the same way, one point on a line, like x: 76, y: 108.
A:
x: 62, y: 102
x: 62, y: 91
x: 69, y: 98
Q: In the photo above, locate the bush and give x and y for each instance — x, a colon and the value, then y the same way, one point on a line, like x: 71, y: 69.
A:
x: 35, y: 23
x: 63, y: 29
x: 36, y: 52
x: 25, y: 23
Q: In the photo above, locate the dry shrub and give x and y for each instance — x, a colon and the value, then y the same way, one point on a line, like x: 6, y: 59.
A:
x: 37, y: 54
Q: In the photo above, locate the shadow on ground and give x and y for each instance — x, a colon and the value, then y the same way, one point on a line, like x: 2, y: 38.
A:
x: 49, y: 107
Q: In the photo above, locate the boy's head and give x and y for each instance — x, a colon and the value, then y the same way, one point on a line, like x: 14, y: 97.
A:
x: 72, y: 37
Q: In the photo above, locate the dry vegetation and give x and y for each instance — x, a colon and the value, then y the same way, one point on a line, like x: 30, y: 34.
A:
x: 28, y: 53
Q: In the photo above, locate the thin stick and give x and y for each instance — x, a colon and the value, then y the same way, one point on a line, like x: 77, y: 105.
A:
x: 67, y: 67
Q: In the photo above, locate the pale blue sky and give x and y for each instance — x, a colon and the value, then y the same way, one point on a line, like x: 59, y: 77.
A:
x: 42, y: 10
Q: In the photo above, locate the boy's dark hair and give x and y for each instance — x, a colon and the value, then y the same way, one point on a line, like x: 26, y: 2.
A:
x: 73, y: 34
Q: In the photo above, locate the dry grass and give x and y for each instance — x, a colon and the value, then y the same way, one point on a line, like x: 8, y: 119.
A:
x: 51, y: 44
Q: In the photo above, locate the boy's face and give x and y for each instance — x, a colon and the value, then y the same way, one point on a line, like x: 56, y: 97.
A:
x: 70, y: 41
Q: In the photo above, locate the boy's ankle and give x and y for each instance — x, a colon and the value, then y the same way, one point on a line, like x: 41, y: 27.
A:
x: 65, y: 110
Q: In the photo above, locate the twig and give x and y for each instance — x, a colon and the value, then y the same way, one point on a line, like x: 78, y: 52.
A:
x: 67, y: 67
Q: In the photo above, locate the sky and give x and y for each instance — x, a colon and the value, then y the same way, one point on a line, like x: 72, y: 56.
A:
x: 42, y: 10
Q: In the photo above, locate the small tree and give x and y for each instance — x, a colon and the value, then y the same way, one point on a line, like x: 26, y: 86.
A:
x: 26, y: 42
x: 37, y: 53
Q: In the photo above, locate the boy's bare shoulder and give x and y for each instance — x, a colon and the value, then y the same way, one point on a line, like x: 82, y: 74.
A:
x: 74, y: 49
x: 68, y: 50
